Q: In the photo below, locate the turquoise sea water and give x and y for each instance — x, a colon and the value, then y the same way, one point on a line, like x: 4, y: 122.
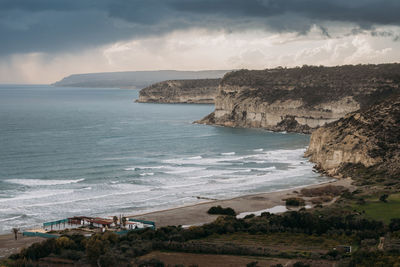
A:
x: 83, y: 151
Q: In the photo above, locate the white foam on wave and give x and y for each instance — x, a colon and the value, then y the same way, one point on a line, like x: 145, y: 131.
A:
x: 290, y: 156
x: 12, y: 218
x: 195, y: 157
x: 138, y: 168
x: 181, y: 170
x: 147, y: 174
x: 215, y: 173
x: 87, y: 188
x: 42, y: 182
x: 258, y: 150
x: 86, y: 199
x: 264, y: 169
x: 36, y: 195
x: 182, y: 185
x: 228, y: 153
x: 198, y: 160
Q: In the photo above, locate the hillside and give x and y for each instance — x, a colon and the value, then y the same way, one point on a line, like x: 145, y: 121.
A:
x: 364, y: 143
x: 201, y: 91
x: 299, y: 99
x: 134, y: 79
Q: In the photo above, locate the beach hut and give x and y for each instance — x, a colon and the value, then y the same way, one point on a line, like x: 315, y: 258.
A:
x: 101, y: 223
x: 60, y: 224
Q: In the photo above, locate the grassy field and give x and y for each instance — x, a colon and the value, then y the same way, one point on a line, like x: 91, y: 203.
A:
x: 283, y: 241
x: 378, y: 210
x: 210, y: 260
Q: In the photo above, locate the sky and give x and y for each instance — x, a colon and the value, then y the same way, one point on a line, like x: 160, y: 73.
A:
x: 42, y: 41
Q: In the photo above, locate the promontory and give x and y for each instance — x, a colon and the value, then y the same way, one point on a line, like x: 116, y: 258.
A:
x: 299, y: 99
x: 199, y: 91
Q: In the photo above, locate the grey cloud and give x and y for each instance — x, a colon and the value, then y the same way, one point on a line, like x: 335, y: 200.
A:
x: 62, y: 25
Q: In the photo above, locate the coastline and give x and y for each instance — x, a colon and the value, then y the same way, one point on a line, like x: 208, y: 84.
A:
x: 195, y: 214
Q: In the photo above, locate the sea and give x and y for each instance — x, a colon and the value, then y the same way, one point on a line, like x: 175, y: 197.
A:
x: 84, y: 151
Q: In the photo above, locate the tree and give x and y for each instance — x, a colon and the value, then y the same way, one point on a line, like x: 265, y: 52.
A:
x: 124, y: 220
x: 15, y: 231
x: 115, y: 219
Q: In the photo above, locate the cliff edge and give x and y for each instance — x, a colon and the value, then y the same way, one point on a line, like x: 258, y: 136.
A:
x: 299, y: 99
x: 362, y: 143
x: 200, y: 91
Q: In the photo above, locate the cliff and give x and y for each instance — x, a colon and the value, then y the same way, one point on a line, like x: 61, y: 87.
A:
x: 201, y: 91
x: 134, y: 79
x: 362, y: 143
x: 299, y: 99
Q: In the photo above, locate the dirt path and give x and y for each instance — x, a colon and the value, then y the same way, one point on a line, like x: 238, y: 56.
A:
x: 8, y: 244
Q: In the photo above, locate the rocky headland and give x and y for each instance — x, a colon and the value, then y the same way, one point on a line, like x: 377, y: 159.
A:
x: 199, y: 91
x: 299, y: 99
x: 363, y: 144
x: 134, y: 79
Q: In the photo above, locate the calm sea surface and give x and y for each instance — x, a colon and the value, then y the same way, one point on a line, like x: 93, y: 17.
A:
x: 81, y: 151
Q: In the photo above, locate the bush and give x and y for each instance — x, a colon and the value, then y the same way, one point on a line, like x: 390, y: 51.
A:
x: 384, y: 197
x: 294, y: 201
x: 301, y: 264
x: 361, y: 201
x: 221, y: 211
x: 252, y: 264
x: 72, y: 254
x: 394, y: 224
x: 151, y: 263
x: 107, y: 260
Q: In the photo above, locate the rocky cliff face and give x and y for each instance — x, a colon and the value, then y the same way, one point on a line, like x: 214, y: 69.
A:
x: 299, y: 99
x: 368, y: 139
x: 201, y: 91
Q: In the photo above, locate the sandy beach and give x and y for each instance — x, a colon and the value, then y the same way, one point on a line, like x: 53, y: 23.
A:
x: 190, y: 215
x: 197, y: 214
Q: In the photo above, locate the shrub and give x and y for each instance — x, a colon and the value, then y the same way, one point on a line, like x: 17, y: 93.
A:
x: 221, y: 211
x: 151, y: 263
x: 384, y: 197
x: 294, y: 201
x: 252, y: 264
x: 361, y: 201
x: 72, y: 254
x: 394, y: 224
x: 329, y: 190
x: 107, y: 260
x: 301, y: 264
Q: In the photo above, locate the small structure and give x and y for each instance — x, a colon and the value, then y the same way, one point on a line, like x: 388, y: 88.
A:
x: 101, y: 223
x: 60, y: 224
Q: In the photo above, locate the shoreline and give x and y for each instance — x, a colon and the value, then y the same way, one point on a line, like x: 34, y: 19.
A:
x: 190, y: 215
x: 196, y: 214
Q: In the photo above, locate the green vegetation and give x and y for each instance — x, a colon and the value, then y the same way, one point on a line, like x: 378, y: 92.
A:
x: 304, y: 236
x: 313, y: 84
x: 378, y: 210
x: 295, y: 202
x: 221, y: 211
x: 284, y: 241
x: 305, y: 229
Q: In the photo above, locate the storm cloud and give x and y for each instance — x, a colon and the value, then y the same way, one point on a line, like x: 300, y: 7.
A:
x: 65, y: 25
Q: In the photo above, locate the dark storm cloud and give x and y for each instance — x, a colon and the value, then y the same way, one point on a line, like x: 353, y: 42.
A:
x: 57, y: 25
